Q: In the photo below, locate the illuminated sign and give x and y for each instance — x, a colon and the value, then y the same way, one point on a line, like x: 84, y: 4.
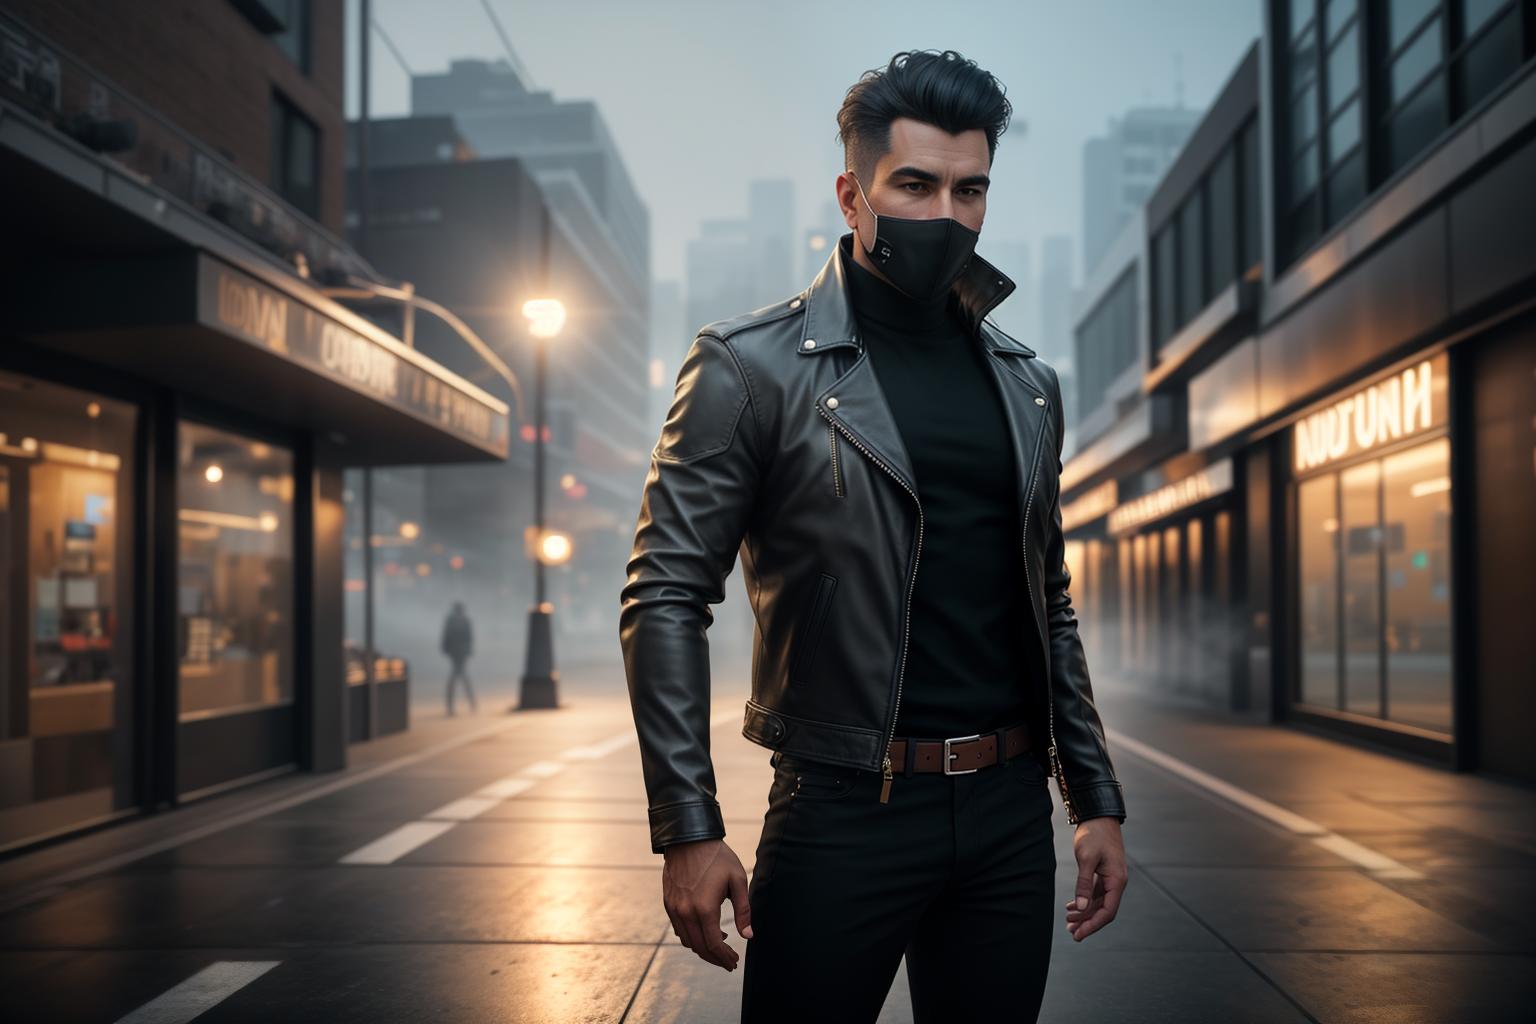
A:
x: 1090, y: 506
x: 244, y: 307
x: 1404, y: 404
x: 1209, y: 482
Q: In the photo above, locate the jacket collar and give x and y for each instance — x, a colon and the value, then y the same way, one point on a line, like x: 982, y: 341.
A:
x: 829, y: 316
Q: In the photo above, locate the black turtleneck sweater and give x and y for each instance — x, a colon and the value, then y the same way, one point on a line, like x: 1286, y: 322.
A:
x: 967, y: 657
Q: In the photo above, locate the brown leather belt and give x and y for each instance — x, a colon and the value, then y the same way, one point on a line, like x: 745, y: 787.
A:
x: 958, y: 755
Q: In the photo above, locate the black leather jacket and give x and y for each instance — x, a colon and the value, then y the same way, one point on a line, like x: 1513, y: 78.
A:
x: 779, y: 443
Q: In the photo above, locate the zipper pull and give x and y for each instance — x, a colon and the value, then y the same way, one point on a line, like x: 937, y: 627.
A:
x: 885, y: 787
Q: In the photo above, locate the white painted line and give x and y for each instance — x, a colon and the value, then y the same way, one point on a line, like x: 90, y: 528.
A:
x: 463, y: 809
x: 544, y: 769
x: 1377, y: 864
x: 200, y: 993
x: 508, y: 787
x: 105, y: 864
x: 392, y: 846
x: 600, y: 749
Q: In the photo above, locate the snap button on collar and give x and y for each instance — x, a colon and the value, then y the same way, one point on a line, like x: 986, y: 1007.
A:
x: 808, y: 343
x: 832, y: 402
x: 1039, y: 401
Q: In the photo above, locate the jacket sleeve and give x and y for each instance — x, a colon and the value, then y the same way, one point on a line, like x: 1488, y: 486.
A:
x: 697, y: 499
x: 1081, y: 750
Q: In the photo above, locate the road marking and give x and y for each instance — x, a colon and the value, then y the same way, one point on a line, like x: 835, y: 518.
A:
x: 392, y: 846
x: 200, y: 993
x: 463, y: 808
x: 508, y: 787
x: 1377, y: 864
x: 105, y: 864
x: 389, y: 848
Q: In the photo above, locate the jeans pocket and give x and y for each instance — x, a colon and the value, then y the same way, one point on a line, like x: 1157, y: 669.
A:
x: 811, y: 780
x: 1029, y: 768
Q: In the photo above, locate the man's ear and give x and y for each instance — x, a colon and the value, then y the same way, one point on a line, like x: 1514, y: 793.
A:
x: 847, y: 199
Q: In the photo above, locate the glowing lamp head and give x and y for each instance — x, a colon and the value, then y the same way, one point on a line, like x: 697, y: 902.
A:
x: 545, y: 316
x: 554, y: 548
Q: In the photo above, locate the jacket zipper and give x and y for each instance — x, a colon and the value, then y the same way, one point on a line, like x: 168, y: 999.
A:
x: 837, y: 477
x: 1056, y: 768
x: 885, y: 765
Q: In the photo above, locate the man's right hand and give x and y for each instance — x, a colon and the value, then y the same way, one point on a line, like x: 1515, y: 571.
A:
x: 696, y: 879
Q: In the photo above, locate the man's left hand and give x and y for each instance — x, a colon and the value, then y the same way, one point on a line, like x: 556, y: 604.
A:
x: 1101, y: 876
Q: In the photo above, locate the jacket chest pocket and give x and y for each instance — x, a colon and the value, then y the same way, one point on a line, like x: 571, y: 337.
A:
x: 809, y: 637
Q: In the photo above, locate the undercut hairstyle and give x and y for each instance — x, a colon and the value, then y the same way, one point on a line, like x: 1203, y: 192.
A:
x: 937, y: 88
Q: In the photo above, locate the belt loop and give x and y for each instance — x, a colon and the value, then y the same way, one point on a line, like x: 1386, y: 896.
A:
x: 910, y: 757
x: 1002, y: 743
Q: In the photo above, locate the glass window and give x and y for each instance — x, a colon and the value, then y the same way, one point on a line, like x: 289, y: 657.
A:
x: 1339, y: 12
x: 1477, y: 12
x: 1346, y: 187
x: 355, y: 579
x: 1318, y: 536
x: 1417, y: 124
x: 1303, y: 117
x: 1304, y: 172
x: 66, y: 600
x: 1417, y: 61
x: 1343, y: 69
x: 1301, y: 15
x: 1191, y: 257
x: 1166, y: 295
x: 1489, y: 61
x: 1361, y: 522
x: 1416, y: 491
x: 235, y: 596
x: 1343, y: 132
x: 1223, y: 214
x: 1403, y: 16
x: 295, y: 156
x: 1248, y: 174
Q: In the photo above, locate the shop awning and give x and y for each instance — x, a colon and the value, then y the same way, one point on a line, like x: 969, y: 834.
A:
x: 247, y: 338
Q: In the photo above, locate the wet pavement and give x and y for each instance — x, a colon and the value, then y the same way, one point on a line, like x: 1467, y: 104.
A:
x: 497, y: 868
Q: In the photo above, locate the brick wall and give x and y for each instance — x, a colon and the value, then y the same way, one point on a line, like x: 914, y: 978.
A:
x: 211, y: 72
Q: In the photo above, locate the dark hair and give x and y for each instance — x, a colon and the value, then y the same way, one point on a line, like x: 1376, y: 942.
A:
x: 942, y: 89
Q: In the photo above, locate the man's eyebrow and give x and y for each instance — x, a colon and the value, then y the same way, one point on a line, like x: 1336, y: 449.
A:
x: 914, y: 172
x: 975, y: 179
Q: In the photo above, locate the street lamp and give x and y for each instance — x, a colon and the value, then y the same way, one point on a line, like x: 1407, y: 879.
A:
x: 540, y: 678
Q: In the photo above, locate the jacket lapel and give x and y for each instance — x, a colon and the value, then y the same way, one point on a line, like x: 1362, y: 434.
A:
x: 855, y: 400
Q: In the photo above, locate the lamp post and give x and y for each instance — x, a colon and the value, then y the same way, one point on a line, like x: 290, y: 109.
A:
x: 540, y: 677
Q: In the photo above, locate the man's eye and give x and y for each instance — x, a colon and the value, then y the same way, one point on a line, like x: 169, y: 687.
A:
x: 970, y: 191
x: 915, y: 185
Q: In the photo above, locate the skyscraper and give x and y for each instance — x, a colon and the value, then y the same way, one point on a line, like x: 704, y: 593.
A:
x: 1121, y: 167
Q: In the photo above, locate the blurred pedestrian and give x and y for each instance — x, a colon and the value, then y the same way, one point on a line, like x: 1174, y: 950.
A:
x: 459, y: 643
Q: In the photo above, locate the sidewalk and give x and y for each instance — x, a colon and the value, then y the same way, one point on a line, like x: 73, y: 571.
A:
x: 498, y: 867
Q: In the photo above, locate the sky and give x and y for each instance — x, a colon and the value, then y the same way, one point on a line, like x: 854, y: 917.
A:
x: 703, y: 97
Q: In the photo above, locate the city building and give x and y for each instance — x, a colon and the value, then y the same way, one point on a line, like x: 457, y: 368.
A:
x: 1121, y: 168
x: 1339, y: 312
x: 736, y: 265
x: 181, y: 392
x: 482, y: 234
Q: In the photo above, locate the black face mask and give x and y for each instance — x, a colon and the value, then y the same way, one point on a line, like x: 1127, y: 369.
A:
x: 922, y: 258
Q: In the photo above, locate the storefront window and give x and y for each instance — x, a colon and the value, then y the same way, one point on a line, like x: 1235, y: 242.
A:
x: 235, y: 599
x: 65, y: 594
x: 1361, y: 522
x: 1416, y: 490
x: 1318, y: 534
x: 1377, y: 534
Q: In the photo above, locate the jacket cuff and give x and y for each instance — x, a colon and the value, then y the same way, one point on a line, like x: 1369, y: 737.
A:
x: 1099, y: 801
x: 684, y: 822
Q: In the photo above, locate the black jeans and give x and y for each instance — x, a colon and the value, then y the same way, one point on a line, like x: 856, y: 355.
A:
x: 956, y: 872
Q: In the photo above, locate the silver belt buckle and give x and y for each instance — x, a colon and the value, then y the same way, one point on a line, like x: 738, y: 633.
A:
x: 950, y: 755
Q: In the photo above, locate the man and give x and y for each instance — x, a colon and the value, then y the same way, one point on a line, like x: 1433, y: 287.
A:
x: 885, y: 459
x: 459, y: 643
